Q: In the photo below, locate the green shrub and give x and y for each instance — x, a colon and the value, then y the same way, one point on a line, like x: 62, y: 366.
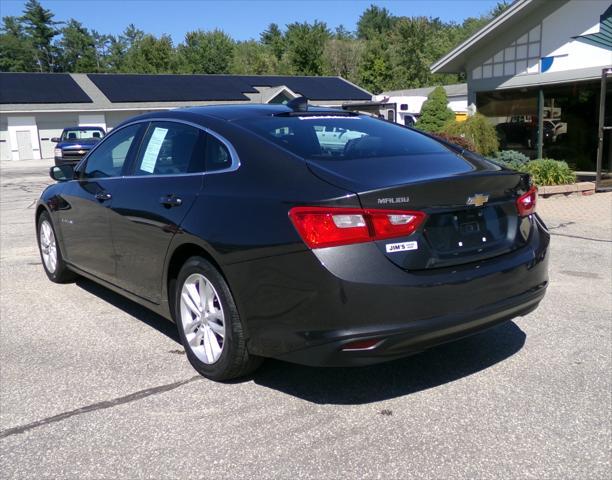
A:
x: 511, y: 159
x: 457, y: 140
x: 478, y: 130
x: 549, y: 172
x: 435, y: 113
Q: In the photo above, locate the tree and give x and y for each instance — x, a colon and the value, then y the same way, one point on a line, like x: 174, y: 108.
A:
x: 435, y: 113
x: 102, y: 45
x: 341, y: 57
x: 416, y: 43
x: 500, y: 8
x: 373, y: 22
x: 16, y: 51
x: 274, y: 39
x: 253, y: 58
x: 305, y: 44
x: 375, y: 66
x: 151, y: 55
x: 39, y: 27
x: 478, y: 130
x: 131, y: 35
x: 341, y: 33
x: 206, y: 52
x: 116, y: 53
x: 77, y: 49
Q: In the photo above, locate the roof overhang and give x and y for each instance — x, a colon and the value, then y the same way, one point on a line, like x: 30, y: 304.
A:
x: 455, y: 60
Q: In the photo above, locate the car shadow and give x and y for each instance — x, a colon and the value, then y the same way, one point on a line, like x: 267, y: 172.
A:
x: 152, y: 319
x: 429, y: 369
x: 360, y: 385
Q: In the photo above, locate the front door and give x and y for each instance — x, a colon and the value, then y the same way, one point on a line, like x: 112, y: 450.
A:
x: 83, y: 218
x: 147, y: 210
x: 24, y: 145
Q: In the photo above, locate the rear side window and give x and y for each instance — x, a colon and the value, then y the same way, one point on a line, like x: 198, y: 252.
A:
x: 217, y: 155
x: 329, y: 137
x: 108, y: 159
x: 170, y: 148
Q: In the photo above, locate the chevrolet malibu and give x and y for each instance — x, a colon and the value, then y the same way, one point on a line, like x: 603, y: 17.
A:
x: 261, y: 238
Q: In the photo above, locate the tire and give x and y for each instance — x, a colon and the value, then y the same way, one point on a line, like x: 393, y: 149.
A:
x: 50, y: 253
x: 208, y: 323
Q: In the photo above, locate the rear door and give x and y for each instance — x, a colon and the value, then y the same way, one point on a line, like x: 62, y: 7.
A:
x: 148, y: 208
x: 84, y: 218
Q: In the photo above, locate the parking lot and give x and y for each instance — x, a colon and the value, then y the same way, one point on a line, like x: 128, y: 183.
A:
x: 94, y: 386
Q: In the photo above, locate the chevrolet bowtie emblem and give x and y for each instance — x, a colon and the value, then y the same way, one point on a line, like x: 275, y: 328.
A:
x: 81, y: 152
x: 478, y: 200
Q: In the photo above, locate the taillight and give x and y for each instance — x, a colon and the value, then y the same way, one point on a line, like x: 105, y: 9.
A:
x: 394, y: 223
x: 328, y: 227
x: 526, y: 203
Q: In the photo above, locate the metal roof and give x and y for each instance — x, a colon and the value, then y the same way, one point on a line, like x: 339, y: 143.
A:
x: 36, y: 88
x: 454, y: 90
x: 66, y: 92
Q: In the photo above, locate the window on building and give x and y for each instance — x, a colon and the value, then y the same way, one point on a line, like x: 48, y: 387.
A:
x: 521, y: 57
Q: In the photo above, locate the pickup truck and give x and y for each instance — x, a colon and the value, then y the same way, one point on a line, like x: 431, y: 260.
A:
x: 74, y: 143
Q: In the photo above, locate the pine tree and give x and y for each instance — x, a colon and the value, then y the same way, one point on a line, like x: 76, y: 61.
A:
x: 16, y: 51
x: 40, y: 29
x: 435, y: 113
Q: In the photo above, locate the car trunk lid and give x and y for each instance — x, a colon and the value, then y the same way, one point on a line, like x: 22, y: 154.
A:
x: 470, y: 205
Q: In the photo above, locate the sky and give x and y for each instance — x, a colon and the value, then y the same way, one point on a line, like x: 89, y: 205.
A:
x: 241, y: 19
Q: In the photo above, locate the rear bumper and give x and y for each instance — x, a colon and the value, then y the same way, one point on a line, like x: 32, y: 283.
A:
x: 414, y: 336
x: 304, y: 307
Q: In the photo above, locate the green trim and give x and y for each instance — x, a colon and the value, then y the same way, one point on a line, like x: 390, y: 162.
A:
x: 603, y: 38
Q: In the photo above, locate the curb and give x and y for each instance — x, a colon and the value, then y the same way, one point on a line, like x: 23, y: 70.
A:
x: 582, y: 188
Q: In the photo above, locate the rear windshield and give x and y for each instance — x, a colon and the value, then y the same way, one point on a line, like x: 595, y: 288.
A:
x: 82, y: 134
x: 341, y: 137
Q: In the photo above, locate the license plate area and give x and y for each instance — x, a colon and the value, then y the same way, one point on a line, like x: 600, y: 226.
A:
x: 467, y: 230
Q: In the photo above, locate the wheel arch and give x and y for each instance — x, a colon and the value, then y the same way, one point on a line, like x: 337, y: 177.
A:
x: 177, y: 259
x: 39, y: 211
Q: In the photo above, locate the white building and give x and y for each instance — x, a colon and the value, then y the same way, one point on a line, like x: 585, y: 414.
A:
x: 538, y: 72
x: 35, y: 107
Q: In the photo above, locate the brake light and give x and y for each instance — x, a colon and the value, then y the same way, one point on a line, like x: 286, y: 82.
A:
x: 390, y: 224
x: 328, y: 227
x: 526, y: 203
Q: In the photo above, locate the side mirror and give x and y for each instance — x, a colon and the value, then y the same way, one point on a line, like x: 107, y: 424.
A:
x: 62, y: 173
x: 55, y: 139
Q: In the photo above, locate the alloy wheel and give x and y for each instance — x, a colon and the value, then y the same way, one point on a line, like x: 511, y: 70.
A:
x: 202, y: 318
x: 48, y: 246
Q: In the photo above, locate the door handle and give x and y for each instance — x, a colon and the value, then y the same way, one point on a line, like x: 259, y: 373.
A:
x: 170, y: 201
x: 103, y: 196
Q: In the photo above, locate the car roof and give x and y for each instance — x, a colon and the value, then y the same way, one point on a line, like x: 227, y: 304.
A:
x: 83, y: 127
x: 230, y: 112
x: 226, y: 113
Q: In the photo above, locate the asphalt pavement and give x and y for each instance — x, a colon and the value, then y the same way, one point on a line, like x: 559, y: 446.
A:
x: 94, y: 386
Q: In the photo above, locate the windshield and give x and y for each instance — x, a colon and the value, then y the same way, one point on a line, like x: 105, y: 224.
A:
x: 329, y: 137
x: 82, y: 134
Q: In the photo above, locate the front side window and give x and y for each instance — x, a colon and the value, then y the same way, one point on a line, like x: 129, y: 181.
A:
x: 170, y: 148
x: 108, y: 159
